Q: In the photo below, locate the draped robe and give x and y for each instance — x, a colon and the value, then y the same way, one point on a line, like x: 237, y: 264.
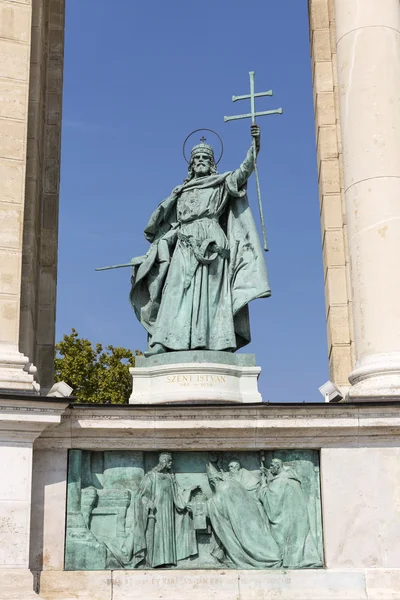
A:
x: 286, y: 507
x: 163, y: 535
x: 248, y: 480
x: 240, y: 529
x: 205, y: 264
x: 170, y: 535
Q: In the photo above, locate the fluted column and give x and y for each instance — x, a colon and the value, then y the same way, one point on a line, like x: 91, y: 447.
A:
x: 368, y: 63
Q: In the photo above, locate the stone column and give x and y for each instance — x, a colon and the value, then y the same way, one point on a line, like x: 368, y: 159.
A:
x: 368, y: 63
x: 15, y: 37
x: 21, y: 422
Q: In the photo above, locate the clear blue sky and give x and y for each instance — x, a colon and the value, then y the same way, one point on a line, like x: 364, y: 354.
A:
x: 139, y: 76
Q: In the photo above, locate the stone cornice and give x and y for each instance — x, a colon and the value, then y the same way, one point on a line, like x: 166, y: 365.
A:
x: 24, y: 419
x: 225, y: 427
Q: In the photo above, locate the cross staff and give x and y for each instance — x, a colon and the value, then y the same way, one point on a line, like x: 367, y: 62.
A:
x: 252, y: 115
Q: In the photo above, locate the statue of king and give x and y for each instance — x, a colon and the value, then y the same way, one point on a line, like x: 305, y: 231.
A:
x: 205, y: 264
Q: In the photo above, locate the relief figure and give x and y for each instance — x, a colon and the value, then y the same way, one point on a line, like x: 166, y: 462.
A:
x: 242, y: 537
x: 285, y: 504
x: 250, y: 481
x: 170, y: 535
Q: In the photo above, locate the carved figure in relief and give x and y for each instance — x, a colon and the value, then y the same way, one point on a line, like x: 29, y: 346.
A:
x: 242, y: 537
x: 170, y: 535
x: 285, y: 504
x: 250, y: 481
x: 242, y: 518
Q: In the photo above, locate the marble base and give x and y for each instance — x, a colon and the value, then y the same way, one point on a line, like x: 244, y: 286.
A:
x: 18, y: 584
x: 195, y: 376
x: 361, y: 584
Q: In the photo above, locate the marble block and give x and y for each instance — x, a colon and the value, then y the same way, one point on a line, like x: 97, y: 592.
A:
x: 195, y: 376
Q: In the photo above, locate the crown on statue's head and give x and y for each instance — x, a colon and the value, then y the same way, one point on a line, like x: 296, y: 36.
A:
x: 203, y: 148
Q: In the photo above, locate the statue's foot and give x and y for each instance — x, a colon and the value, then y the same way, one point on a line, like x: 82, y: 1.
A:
x: 156, y: 349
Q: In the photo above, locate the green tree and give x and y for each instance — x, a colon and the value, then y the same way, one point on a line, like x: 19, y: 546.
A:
x: 96, y: 374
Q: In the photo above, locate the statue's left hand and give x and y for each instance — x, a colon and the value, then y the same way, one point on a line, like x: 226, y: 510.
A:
x: 256, y: 134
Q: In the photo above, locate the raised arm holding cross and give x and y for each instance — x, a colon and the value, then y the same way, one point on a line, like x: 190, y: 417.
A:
x: 256, y: 137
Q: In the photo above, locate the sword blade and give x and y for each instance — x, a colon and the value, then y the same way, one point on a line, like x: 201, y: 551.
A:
x: 113, y: 267
x: 134, y: 262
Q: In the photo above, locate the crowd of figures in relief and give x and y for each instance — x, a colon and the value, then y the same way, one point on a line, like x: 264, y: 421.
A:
x: 188, y: 510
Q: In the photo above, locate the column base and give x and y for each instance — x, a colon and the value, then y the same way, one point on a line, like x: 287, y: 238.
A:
x: 376, y: 378
x: 16, y: 372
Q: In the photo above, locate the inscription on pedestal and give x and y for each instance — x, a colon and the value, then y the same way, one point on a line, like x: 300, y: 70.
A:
x: 196, y: 380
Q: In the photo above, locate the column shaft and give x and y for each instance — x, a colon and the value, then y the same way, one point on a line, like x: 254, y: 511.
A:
x: 368, y: 62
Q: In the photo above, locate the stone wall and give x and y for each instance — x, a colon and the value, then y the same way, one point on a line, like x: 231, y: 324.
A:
x: 331, y: 191
x: 21, y: 421
x: 359, y: 461
x: 359, y: 449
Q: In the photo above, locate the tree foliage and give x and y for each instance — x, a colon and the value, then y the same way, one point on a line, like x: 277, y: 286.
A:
x: 96, y: 374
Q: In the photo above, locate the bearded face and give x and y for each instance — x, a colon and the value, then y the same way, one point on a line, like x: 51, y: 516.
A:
x: 276, y: 467
x: 165, y: 462
x: 234, y: 468
x: 201, y: 164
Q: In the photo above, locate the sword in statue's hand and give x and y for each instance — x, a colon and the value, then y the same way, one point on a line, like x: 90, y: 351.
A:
x: 134, y: 263
x: 252, y: 115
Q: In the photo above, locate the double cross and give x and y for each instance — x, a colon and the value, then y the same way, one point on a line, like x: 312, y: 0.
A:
x: 252, y: 115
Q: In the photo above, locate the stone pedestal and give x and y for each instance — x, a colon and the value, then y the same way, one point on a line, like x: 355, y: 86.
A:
x: 21, y: 422
x: 368, y: 65
x: 359, y: 465
x: 195, y: 376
